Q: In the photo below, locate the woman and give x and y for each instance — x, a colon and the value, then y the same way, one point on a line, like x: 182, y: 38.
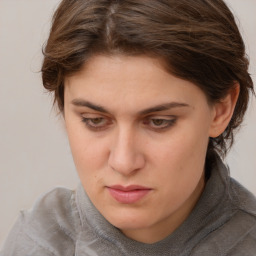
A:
x: 151, y: 93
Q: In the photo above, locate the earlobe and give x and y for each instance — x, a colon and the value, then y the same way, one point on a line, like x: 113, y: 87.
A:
x: 223, y: 111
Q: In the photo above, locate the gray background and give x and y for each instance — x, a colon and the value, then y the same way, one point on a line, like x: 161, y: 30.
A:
x: 34, y: 151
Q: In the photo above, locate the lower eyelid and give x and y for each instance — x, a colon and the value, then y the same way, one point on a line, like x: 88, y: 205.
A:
x: 166, y: 124
x: 87, y: 120
x: 163, y: 119
x: 95, y: 127
x: 147, y: 122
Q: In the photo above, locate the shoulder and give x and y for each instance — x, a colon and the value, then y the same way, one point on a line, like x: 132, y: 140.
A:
x: 57, y: 204
x: 237, y: 235
x: 56, y: 210
x: 50, y: 227
x: 242, y: 198
x: 244, y: 221
x: 241, y: 228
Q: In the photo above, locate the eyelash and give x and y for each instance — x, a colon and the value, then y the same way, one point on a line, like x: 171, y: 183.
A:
x: 89, y: 123
x: 166, y: 123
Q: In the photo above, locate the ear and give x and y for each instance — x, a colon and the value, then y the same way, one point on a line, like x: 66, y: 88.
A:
x: 223, y: 111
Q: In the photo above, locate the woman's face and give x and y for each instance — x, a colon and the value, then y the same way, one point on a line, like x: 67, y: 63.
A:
x: 139, y: 137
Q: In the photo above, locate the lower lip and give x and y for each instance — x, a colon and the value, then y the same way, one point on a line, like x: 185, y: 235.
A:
x: 128, y: 197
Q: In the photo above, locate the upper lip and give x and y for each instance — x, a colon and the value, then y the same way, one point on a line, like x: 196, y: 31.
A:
x: 129, y: 188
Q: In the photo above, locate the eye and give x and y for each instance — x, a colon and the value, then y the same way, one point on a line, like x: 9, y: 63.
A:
x: 159, y: 123
x: 96, y: 123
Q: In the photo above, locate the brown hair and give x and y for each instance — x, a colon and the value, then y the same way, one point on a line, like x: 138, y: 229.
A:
x: 198, y: 40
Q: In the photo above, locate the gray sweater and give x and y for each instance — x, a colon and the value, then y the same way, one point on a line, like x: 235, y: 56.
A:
x: 65, y: 223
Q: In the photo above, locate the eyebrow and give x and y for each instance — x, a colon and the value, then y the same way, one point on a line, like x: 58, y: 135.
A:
x: 158, y: 108
x: 88, y: 104
x: 163, y: 107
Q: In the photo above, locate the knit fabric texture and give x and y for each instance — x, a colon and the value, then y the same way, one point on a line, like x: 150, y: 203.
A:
x: 66, y: 223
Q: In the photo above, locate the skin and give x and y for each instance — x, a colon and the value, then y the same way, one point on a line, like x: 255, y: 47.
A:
x: 119, y: 135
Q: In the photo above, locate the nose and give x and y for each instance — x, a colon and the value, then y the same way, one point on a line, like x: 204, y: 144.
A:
x: 125, y: 156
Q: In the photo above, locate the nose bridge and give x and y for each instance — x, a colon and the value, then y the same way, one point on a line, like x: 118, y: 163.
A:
x: 125, y: 156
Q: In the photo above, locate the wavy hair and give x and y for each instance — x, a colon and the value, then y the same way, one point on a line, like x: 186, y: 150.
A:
x: 198, y: 40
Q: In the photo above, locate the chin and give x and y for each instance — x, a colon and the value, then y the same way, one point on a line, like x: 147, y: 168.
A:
x: 129, y: 219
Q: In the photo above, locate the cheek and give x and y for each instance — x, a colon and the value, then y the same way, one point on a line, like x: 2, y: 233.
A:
x: 181, y: 158
x: 88, y: 153
x: 181, y: 168
x: 90, y: 161
x: 181, y: 147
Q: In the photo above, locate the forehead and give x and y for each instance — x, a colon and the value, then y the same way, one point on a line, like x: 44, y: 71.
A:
x: 112, y: 68
x: 135, y: 81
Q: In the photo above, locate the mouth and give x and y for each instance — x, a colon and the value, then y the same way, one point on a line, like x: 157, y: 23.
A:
x: 128, y: 195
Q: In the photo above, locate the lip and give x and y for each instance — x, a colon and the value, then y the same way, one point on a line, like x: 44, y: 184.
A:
x: 128, y: 194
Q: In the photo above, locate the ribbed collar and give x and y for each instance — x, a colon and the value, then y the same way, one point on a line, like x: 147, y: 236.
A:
x: 210, y: 212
